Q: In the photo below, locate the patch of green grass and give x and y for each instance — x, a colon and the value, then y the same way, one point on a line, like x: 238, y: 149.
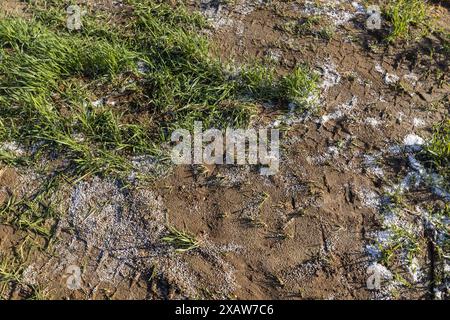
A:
x: 34, y: 212
x: 402, y: 242
x: 437, y: 152
x: 300, y: 87
x: 156, y: 66
x: 181, y: 240
x: 38, y: 70
x: 49, y: 77
x: 10, y: 272
x: 405, y: 15
x: 259, y: 82
x: 327, y: 33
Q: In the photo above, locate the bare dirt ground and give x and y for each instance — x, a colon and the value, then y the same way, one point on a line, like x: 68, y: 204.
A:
x: 309, y: 232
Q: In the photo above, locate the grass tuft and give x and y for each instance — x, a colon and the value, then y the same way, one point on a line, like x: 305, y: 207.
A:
x: 404, y: 15
x: 437, y: 152
x: 181, y: 240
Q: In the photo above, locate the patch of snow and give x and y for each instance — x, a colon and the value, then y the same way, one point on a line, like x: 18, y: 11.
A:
x: 413, y: 142
x: 142, y: 67
x: 274, y: 55
x: 98, y: 103
x: 379, y: 68
x: 220, y: 15
x: 434, y: 180
x: 372, y: 122
x: 418, y: 123
x: 330, y: 75
x: 30, y: 275
x: 358, y: 7
x: 394, y: 150
x: 340, y: 111
x: 370, y: 162
x: 390, y: 78
x: 331, y: 9
x: 369, y: 198
x: 13, y: 147
x: 412, y: 78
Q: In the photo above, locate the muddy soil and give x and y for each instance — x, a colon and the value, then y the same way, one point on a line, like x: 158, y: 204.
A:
x: 304, y: 233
